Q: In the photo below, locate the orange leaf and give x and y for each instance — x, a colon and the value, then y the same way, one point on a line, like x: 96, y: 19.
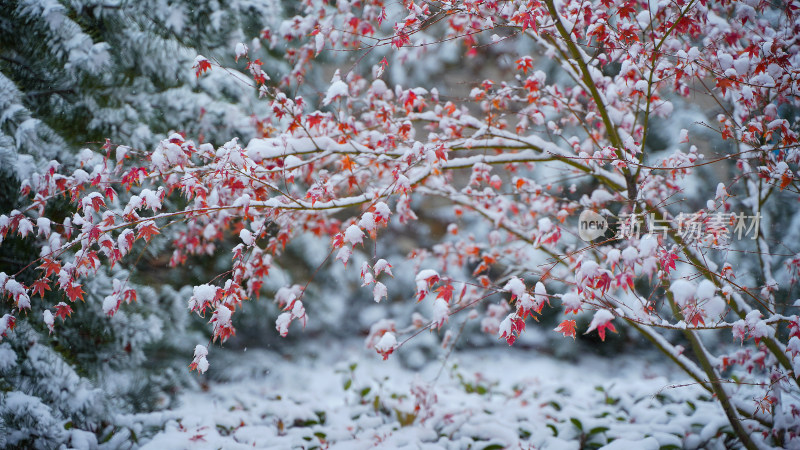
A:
x: 347, y: 163
x: 40, y: 286
x: 74, y: 291
x: 785, y: 181
x: 147, y: 232
x: 445, y: 292
x: 50, y: 267
x: 567, y: 328
x: 129, y: 295
x: 63, y: 310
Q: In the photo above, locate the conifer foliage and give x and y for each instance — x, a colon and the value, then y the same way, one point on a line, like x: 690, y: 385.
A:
x: 73, y: 73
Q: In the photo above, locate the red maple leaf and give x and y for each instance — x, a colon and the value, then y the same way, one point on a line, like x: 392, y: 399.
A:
x: 12, y: 322
x: 668, y: 261
x: 40, y: 286
x: 74, y: 291
x: 567, y: 328
x: 147, y: 231
x: 63, y: 310
x: 98, y: 202
x: 94, y: 233
x: 625, y: 280
x: 400, y: 39
x: 603, y: 282
x: 338, y: 240
x: 90, y: 260
x: 601, y: 330
x: 723, y: 83
x: 201, y: 65
x: 109, y: 221
x: 517, y: 327
x: 409, y: 103
x: 441, y: 153
x: 129, y: 295
x: 129, y: 239
x: 294, y: 126
x: 50, y: 267
x: 445, y: 292
x: 314, y: 119
x: 133, y: 176
x: 347, y: 163
x: 524, y: 64
x: 108, y: 243
x: 785, y: 181
x: 697, y: 319
x: 627, y: 10
x: 526, y: 19
x: 482, y: 267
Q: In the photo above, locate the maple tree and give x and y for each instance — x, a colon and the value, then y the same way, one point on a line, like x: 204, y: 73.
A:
x: 522, y: 154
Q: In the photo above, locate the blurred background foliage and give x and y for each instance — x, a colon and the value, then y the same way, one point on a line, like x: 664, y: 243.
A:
x: 75, y: 73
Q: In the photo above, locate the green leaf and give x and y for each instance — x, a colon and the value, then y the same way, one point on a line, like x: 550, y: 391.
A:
x: 109, y: 436
x: 223, y: 430
x: 577, y: 423
x: 494, y: 447
x: 405, y: 419
x: 347, y: 384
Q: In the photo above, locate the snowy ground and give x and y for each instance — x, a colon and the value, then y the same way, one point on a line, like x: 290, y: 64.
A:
x: 498, y: 398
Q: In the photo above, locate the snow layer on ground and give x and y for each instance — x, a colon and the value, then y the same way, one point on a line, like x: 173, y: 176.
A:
x: 483, y: 399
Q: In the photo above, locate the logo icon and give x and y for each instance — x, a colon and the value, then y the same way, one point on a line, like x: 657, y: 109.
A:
x: 591, y: 225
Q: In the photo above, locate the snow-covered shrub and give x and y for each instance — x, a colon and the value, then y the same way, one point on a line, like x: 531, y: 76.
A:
x: 73, y: 73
